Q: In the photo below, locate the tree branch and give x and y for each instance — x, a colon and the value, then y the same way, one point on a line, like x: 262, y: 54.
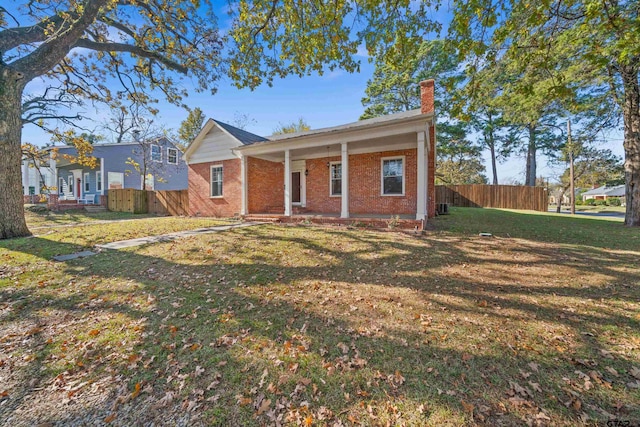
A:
x: 13, y: 37
x: 134, y: 50
x: 55, y: 48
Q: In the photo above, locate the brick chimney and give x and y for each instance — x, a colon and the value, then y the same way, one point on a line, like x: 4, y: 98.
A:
x: 427, y: 88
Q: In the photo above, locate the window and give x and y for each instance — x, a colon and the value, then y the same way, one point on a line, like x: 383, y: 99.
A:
x: 156, y: 153
x: 172, y: 156
x: 70, y: 189
x: 98, y: 181
x: 115, y: 180
x: 86, y: 182
x: 216, y: 181
x: 335, y: 172
x: 393, y: 176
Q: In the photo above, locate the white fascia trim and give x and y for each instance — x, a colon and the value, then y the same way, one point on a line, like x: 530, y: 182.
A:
x: 415, y: 124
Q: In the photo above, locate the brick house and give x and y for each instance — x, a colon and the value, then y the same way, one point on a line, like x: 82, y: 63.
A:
x: 373, y: 168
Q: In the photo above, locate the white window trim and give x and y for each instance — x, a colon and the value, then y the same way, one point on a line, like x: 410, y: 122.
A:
x: 211, y: 181
x: 98, y: 181
x: 404, y: 175
x: 159, y: 149
x: 86, y: 183
x: 169, y: 157
x: 331, y: 180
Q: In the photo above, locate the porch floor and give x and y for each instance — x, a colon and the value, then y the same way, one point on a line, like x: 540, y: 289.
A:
x: 405, y: 222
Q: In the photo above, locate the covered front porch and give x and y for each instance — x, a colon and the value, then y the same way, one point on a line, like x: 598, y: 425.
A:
x: 78, y: 184
x: 378, y: 171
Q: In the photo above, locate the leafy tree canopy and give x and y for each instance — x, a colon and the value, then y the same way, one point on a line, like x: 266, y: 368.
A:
x: 300, y: 126
x: 190, y: 127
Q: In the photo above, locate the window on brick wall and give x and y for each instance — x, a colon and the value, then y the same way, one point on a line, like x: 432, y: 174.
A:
x: 335, y: 178
x: 216, y: 181
x: 393, y: 176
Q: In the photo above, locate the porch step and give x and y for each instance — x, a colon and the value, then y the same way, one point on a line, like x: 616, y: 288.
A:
x: 299, y: 210
x: 95, y: 208
x: 262, y: 218
x: 279, y: 210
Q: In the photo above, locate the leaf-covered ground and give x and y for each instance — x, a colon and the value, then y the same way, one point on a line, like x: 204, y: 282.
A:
x: 305, y: 325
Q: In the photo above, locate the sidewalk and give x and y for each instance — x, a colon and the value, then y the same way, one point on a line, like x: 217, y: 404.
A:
x: 154, y: 239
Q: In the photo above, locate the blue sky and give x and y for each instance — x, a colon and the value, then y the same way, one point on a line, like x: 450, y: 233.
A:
x: 331, y: 99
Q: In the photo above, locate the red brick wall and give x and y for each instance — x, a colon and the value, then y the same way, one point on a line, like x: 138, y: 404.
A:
x: 318, y: 198
x: 200, y: 202
x: 364, y: 185
x: 365, y: 171
x: 266, y: 186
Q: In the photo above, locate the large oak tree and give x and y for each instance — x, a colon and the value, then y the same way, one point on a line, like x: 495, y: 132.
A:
x: 125, y: 51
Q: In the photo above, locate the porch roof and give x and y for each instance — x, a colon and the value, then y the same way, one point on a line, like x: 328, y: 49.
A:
x: 369, y: 130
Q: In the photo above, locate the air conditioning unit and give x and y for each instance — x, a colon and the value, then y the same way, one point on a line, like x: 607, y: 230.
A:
x: 443, y: 208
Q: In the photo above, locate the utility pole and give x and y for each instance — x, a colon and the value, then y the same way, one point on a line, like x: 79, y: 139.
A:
x: 572, y: 196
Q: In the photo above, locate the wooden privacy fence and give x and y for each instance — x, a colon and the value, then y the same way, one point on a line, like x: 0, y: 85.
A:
x: 173, y: 203
x: 493, y: 196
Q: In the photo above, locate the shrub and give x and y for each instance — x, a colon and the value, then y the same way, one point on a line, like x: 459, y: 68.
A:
x: 615, y: 201
x: 579, y: 202
x: 600, y: 202
x: 590, y: 202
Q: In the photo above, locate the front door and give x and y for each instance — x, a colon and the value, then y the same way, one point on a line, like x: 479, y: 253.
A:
x: 295, y: 187
x: 78, y: 188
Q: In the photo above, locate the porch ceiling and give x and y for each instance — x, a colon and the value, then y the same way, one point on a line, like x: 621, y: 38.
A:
x: 388, y: 143
x: 392, y: 132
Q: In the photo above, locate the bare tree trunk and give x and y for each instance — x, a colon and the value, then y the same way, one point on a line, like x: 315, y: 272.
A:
x: 631, y: 114
x: 494, y: 169
x: 530, y: 177
x: 12, y: 221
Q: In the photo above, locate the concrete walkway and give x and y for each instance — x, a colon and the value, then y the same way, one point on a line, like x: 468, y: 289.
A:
x: 154, y: 239
x: 172, y: 236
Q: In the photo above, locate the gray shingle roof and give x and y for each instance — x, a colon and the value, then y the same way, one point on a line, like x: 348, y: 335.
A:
x: 616, y: 191
x: 246, y: 138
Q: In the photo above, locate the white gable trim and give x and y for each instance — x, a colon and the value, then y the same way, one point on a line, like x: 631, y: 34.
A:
x: 198, y: 140
x: 190, y: 155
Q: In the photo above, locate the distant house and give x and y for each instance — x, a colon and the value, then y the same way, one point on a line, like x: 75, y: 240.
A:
x: 377, y: 167
x: 116, y: 168
x: 36, y: 177
x: 604, y: 193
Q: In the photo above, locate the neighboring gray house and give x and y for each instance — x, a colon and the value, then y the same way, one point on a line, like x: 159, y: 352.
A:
x: 159, y: 158
x: 604, y: 192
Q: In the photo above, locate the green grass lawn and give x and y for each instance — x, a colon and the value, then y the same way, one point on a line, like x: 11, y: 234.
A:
x: 305, y: 325
x: 47, y: 218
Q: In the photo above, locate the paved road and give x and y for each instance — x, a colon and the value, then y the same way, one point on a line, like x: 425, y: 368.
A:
x: 588, y: 213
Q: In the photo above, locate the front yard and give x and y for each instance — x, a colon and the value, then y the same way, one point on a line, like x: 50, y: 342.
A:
x: 303, y: 325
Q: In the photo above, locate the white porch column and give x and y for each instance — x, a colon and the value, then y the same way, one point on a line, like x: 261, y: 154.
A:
x: 344, y: 211
x: 244, y: 184
x: 53, y: 176
x: 421, y: 210
x: 287, y: 183
x: 102, y: 182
